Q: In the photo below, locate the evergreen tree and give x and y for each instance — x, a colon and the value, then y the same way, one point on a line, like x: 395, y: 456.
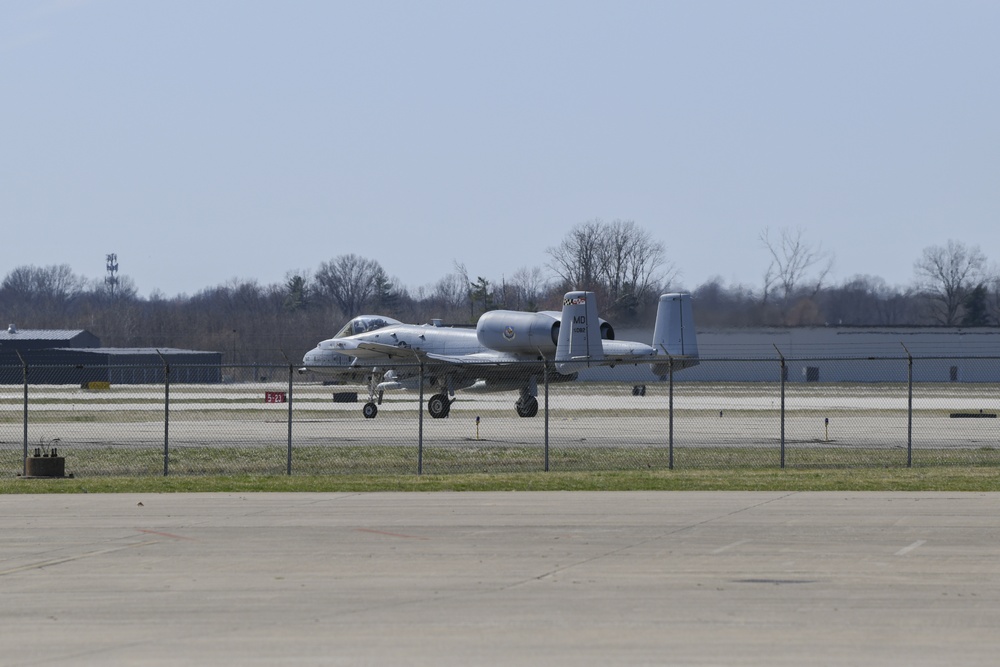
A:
x: 975, y: 308
x: 297, y: 294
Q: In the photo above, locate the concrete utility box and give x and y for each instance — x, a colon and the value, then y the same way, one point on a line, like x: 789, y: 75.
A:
x: 45, y: 466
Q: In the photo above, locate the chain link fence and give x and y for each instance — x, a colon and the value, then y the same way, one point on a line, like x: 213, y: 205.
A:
x: 724, y: 413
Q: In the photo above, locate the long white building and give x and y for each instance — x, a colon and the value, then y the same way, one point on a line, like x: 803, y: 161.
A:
x: 832, y: 354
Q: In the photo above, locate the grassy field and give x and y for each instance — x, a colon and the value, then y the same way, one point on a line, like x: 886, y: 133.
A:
x: 933, y: 478
x: 212, y: 469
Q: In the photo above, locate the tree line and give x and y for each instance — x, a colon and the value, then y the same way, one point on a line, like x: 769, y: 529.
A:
x: 622, y: 262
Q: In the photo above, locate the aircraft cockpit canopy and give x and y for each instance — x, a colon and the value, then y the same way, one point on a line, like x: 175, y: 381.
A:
x: 364, y: 324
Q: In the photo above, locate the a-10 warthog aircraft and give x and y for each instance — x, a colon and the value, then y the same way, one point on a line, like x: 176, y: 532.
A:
x: 497, y: 355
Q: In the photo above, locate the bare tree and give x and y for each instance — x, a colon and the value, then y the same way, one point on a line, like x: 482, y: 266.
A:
x: 56, y: 282
x: 449, y: 297
x: 349, y: 281
x: 792, y: 262
x: 620, y: 259
x: 123, y: 289
x: 719, y: 305
x: 946, y: 274
x: 576, y: 260
x: 631, y: 263
x: 40, y: 294
x: 526, y: 289
x: 854, y: 302
x: 451, y: 292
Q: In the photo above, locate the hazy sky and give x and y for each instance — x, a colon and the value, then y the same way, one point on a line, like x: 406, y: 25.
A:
x: 203, y: 141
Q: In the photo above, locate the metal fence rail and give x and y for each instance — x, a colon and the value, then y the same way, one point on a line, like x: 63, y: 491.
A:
x: 163, y: 421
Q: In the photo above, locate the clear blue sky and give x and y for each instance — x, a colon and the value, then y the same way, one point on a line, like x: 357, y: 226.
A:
x: 204, y: 141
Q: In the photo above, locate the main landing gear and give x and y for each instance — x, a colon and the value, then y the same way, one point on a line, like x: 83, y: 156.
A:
x: 526, y: 406
x: 439, y: 406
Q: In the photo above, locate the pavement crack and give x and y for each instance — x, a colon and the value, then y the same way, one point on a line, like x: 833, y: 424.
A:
x: 649, y: 540
x: 38, y: 565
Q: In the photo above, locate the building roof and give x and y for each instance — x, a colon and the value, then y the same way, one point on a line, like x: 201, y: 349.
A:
x: 821, y: 342
x: 851, y: 342
x: 41, y: 334
x: 131, y: 351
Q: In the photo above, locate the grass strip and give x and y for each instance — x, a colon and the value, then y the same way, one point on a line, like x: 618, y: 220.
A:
x: 968, y: 478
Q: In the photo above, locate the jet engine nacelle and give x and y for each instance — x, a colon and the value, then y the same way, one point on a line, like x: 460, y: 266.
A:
x: 514, y: 331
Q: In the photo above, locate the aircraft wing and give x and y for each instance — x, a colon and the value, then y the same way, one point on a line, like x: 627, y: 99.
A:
x: 478, y: 359
x: 488, y: 371
x: 392, y: 351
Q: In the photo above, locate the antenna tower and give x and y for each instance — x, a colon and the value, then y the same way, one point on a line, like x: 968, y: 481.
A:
x: 112, y: 279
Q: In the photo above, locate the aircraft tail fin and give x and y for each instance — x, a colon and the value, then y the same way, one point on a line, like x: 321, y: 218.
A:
x: 674, y: 333
x: 579, y: 342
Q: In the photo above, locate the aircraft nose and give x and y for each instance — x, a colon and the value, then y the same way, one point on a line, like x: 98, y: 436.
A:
x: 336, y: 346
x: 321, y: 357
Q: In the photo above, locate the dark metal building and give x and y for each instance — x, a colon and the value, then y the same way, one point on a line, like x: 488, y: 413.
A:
x: 12, y: 339
x: 58, y: 356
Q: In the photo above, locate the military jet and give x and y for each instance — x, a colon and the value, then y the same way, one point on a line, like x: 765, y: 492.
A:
x: 506, y: 351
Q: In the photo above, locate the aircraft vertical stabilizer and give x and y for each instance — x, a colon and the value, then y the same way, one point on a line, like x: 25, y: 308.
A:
x: 579, y: 333
x: 674, y: 333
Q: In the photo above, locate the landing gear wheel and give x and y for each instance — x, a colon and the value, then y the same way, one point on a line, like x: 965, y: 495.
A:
x: 439, y: 406
x: 527, y: 407
x: 370, y: 410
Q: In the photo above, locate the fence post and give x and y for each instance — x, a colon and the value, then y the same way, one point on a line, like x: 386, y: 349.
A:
x: 420, y: 422
x: 291, y: 374
x: 166, y: 414
x: 545, y: 379
x: 783, y: 374
x: 909, y: 408
x: 24, y: 420
x: 670, y: 411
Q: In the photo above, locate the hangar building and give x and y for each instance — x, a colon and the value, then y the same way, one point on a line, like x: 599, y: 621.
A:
x: 832, y: 354
x: 74, y: 356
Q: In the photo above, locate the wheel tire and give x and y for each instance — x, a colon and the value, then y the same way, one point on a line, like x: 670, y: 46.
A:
x: 527, y: 408
x: 370, y: 410
x: 438, y: 406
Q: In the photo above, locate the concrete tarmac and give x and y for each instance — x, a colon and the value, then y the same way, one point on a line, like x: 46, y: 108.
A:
x: 669, y: 578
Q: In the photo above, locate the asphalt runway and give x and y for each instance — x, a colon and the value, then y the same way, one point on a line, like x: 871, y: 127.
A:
x: 500, y: 578
x: 854, y: 429
x: 582, y: 415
